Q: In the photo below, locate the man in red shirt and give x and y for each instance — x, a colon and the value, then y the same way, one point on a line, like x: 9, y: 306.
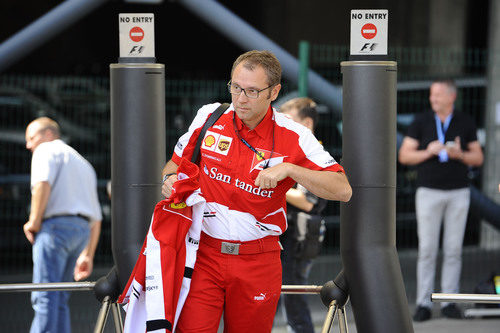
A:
x: 249, y: 159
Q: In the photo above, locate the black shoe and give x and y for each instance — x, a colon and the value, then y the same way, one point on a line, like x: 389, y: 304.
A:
x: 423, y: 313
x: 451, y: 311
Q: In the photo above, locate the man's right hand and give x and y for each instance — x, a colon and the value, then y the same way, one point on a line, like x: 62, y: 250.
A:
x: 83, y: 267
x: 166, y: 188
x: 435, y: 147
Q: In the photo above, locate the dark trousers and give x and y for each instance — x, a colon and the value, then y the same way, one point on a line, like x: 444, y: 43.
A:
x: 295, y: 271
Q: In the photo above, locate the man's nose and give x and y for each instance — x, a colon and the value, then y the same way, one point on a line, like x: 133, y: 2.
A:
x: 242, y: 95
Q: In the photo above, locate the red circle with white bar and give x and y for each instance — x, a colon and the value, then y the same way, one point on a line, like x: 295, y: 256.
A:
x: 136, y: 34
x: 369, y: 30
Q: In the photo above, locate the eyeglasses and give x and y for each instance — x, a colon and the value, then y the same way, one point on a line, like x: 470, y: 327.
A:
x: 249, y: 92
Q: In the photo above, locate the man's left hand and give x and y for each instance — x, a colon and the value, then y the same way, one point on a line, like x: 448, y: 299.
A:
x: 30, y: 229
x: 455, y: 152
x: 269, y: 178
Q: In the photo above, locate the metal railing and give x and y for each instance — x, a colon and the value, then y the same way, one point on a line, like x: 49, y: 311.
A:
x: 466, y: 298
x: 107, y: 304
x: 56, y: 286
x: 471, y: 298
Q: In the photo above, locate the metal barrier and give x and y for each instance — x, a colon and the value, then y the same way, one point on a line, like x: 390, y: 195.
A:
x: 466, y: 298
x: 72, y: 286
x: 471, y: 298
x: 57, y: 286
x: 333, y: 309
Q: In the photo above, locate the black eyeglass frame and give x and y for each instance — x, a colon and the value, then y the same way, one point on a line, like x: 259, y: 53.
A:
x: 230, y: 84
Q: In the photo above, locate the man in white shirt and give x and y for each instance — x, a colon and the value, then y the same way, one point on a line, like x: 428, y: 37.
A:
x: 64, y: 223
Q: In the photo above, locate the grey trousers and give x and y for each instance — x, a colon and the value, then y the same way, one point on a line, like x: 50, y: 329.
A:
x: 435, y: 208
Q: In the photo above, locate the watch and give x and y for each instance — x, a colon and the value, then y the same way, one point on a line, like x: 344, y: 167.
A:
x: 167, y: 175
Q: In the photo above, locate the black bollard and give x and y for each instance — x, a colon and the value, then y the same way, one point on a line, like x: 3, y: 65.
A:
x: 368, y: 220
x: 137, y: 156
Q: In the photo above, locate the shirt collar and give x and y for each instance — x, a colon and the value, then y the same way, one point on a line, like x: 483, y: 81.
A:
x: 263, y: 128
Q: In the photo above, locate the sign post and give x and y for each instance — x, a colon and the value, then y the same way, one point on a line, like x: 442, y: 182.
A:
x: 368, y: 220
x: 137, y: 92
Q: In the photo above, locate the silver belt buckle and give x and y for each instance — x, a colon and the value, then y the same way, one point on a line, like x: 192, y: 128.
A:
x: 230, y: 248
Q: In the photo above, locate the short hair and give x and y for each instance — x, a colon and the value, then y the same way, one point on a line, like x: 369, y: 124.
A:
x: 266, y: 59
x: 306, y: 108
x: 48, y: 124
x: 449, y: 83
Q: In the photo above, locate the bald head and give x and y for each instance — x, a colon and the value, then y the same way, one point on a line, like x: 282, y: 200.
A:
x: 41, y: 130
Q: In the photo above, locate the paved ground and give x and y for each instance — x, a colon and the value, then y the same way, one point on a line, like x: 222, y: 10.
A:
x: 436, y: 325
x: 477, y: 265
x: 16, y: 313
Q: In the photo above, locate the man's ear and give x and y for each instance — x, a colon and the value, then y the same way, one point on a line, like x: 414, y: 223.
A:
x: 275, y: 92
x: 49, y: 135
x: 308, y: 122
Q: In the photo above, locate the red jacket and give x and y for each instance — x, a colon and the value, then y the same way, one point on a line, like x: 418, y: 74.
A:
x: 162, y: 274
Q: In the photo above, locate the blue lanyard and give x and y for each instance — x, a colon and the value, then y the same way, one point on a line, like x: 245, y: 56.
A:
x: 442, y: 128
x: 250, y: 146
x: 441, y: 132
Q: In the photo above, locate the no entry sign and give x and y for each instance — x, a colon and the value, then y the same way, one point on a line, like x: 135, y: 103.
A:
x: 369, y: 31
x: 137, y: 38
x: 136, y: 34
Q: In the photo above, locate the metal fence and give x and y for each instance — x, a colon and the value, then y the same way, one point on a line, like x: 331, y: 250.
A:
x: 81, y: 106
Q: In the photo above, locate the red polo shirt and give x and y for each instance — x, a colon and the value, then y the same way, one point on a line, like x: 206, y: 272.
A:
x: 236, y: 209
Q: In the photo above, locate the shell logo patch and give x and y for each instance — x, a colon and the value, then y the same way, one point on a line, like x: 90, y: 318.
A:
x: 209, y: 141
x: 217, y: 143
x: 178, y: 206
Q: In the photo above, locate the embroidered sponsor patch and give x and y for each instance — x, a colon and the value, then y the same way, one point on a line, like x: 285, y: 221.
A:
x: 209, y: 214
x: 217, y: 143
x: 211, y: 157
x: 209, y: 142
x: 178, y: 206
x: 223, y: 145
x: 261, y: 297
x: 258, y: 162
x: 193, y: 241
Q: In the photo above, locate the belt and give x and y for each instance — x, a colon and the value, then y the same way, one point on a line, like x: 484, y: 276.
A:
x: 266, y: 244
x: 86, y: 218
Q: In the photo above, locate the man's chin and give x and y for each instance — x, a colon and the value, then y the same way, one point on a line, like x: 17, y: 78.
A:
x: 241, y: 113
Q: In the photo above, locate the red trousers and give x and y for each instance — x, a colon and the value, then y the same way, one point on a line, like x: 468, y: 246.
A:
x: 245, y: 287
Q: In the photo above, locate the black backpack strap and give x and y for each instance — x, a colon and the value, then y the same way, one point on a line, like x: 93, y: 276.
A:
x: 209, y: 123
